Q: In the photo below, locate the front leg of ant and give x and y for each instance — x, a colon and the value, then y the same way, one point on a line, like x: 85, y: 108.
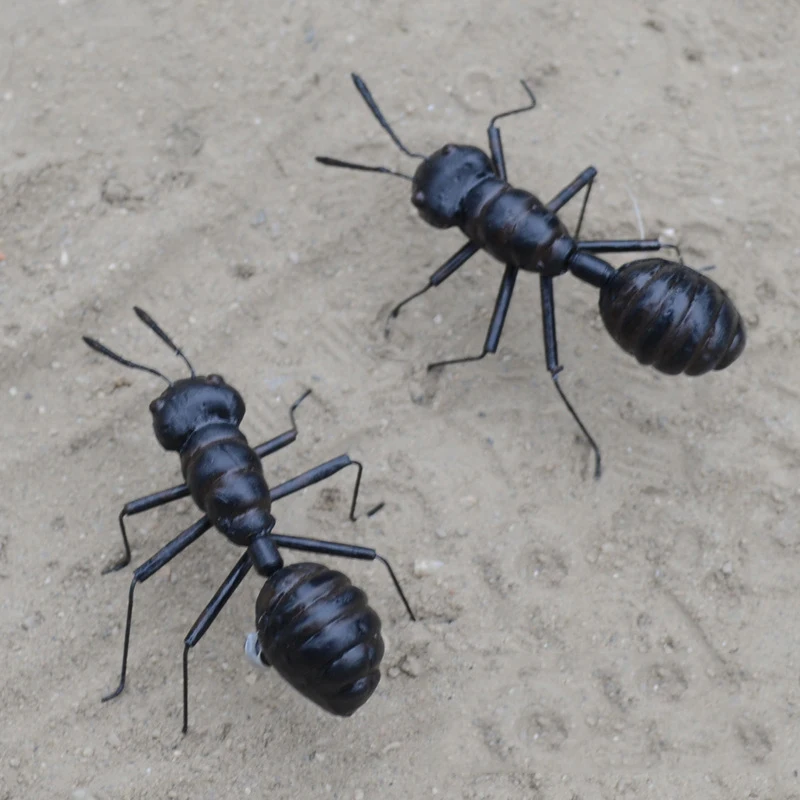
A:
x: 495, y: 143
x: 445, y: 271
x: 551, y: 356
x: 146, y: 570
x: 586, y: 178
x: 283, y: 439
x: 321, y: 473
x: 206, y: 618
x: 137, y: 507
x: 496, y: 325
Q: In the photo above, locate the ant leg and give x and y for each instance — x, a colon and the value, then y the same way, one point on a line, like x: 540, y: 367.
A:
x: 496, y: 324
x: 320, y: 473
x: 306, y: 545
x: 137, y: 507
x: 206, y: 618
x: 142, y: 573
x: 495, y: 144
x: 441, y: 274
x: 586, y: 178
x: 551, y: 356
x: 283, y: 439
x: 630, y: 246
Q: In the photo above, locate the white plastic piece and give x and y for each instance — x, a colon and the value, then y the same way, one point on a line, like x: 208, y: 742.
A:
x: 252, y: 649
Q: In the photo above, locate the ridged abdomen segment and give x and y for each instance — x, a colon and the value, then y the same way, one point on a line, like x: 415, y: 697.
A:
x: 317, y: 630
x: 226, y: 479
x: 672, y: 317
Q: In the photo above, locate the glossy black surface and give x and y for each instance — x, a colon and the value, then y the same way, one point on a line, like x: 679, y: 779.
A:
x: 460, y: 185
x: 671, y: 317
x: 318, y: 631
x: 199, y: 418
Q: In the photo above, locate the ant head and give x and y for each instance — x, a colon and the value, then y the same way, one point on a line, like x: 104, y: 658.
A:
x: 444, y: 179
x: 190, y: 404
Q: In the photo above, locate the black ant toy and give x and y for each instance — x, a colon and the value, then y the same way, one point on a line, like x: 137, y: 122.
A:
x: 313, y: 625
x: 662, y: 312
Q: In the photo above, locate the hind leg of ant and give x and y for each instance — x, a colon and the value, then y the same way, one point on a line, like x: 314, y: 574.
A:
x: 551, y: 357
x: 445, y: 271
x: 495, y: 326
x: 321, y: 473
x: 146, y: 570
x: 206, y: 618
x: 495, y: 143
x: 283, y: 439
x: 628, y: 246
x: 137, y: 507
x: 306, y: 545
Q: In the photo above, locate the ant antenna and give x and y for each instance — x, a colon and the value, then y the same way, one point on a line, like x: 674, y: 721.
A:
x: 153, y: 325
x: 101, y: 348
x: 529, y: 107
x: 373, y: 107
x: 335, y: 162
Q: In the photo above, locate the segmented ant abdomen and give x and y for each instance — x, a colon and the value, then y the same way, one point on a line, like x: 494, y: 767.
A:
x: 317, y: 630
x: 672, y: 317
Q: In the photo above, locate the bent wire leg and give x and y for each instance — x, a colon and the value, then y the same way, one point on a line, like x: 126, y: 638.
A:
x: 146, y: 570
x: 320, y: 473
x: 206, y: 618
x: 495, y: 143
x: 445, y: 271
x: 586, y: 178
x: 283, y: 439
x: 629, y: 246
x: 305, y: 545
x: 496, y: 325
x: 137, y: 507
x: 551, y: 356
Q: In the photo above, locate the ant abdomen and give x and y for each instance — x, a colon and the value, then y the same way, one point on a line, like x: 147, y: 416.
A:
x: 671, y: 317
x: 317, y: 630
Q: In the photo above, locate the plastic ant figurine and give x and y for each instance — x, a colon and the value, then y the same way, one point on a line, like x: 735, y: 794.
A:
x: 662, y: 312
x: 312, y: 624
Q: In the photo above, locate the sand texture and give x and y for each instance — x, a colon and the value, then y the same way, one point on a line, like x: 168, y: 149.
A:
x: 631, y: 637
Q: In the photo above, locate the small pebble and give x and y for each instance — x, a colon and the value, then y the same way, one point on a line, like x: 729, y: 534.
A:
x: 358, y: 795
x: 425, y: 566
x: 411, y: 666
x: 469, y: 501
x: 14, y: 762
x: 281, y: 337
x: 727, y: 568
x: 251, y: 678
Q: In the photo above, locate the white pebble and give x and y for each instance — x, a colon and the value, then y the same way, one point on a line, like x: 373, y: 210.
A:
x: 425, y: 566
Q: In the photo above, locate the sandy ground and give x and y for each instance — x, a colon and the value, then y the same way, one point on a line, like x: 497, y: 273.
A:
x: 626, y: 638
